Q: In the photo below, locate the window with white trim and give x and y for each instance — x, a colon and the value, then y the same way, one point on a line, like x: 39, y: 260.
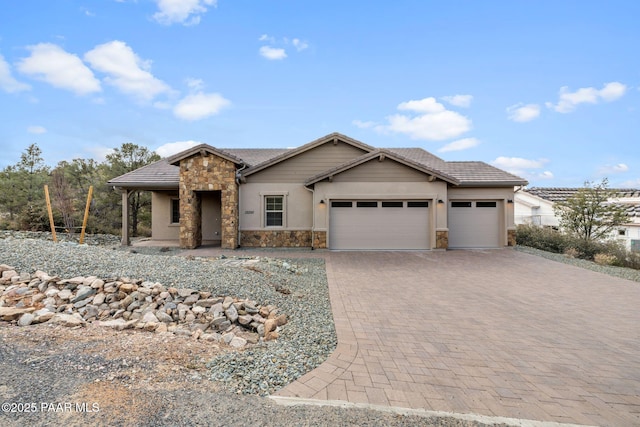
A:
x: 274, y: 211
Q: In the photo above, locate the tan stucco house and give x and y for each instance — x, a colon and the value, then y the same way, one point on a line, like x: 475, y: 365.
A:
x: 334, y: 192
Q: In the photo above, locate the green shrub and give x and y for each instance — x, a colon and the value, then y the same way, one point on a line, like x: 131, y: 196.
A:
x: 604, y: 253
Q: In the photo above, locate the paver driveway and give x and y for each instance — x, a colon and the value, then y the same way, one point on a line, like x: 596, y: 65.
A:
x: 497, y: 333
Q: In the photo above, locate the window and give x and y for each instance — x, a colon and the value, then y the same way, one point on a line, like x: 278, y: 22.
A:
x: 460, y: 204
x: 486, y: 204
x: 341, y: 204
x: 392, y: 204
x: 622, y: 232
x: 367, y: 204
x: 274, y: 211
x: 175, y: 211
x: 418, y: 204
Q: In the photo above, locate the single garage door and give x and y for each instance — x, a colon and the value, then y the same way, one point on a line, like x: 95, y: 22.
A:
x: 379, y: 224
x: 474, y: 224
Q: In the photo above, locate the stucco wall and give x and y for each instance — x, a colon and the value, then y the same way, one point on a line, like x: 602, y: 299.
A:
x: 161, y: 227
x: 298, y: 206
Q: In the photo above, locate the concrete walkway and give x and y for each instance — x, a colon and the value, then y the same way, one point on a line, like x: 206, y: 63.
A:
x: 496, y: 333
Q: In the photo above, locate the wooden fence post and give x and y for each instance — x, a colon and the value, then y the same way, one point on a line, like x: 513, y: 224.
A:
x: 53, y: 226
x: 86, y: 214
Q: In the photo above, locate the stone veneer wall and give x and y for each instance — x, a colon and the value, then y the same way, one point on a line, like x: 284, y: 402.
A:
x: 275, y: 238
x: 320, y: 239
x: 442, y: 239
x: 511, y: 237
x: 207, y: 173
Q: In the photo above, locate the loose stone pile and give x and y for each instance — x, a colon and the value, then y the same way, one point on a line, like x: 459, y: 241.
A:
x: 124, y: 303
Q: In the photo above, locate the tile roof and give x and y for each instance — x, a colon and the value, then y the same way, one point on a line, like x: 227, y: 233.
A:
x: 556, y: 194
x: 161, y: 174
x: 629, y: 198
x: 481, y: 173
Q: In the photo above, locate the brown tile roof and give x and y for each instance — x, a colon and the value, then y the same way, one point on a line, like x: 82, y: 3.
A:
x: 481, y: 174
x: 161, y: 174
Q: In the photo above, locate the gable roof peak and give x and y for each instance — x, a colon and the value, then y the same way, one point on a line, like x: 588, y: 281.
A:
x: 203, y: 150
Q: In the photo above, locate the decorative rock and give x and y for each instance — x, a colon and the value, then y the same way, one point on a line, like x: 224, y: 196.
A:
x: 127, y: 288
x: 163, y: 317
x: 231, y: 313
x: 126, y: 303
x: 68, y: 320
x: 99, y: 299
x: 83, y: 293
x: 185, y: 292
x: 26, y: 319
x: 65, y: 294
x: 245, y: 319
x: 191, y: 299
x: 150, y: 317
x: 238, y: 342
x: 12, y: 313
x: 198, y: 310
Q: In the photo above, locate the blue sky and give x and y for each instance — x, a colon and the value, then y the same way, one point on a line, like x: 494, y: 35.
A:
x: 549, y: 90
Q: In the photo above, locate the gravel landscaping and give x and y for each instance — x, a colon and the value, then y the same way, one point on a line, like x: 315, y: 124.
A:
x: 624, y: 273
x: 297, y: 287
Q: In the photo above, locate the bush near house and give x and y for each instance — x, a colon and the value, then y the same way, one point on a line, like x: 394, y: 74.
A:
x: 602, y: 252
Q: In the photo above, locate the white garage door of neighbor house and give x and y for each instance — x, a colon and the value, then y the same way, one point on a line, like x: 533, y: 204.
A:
x: 381, y: 224
x: 474, y: 224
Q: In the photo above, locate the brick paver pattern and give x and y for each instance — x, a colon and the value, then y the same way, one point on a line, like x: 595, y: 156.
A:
x: 494, y: 332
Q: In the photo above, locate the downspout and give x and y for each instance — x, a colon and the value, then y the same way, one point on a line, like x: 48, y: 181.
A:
x: 313, y: 216
x: 238, y: 180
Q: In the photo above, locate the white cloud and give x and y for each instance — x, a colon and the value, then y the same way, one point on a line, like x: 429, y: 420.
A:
x: 426, y: 105
x: 459, y: 100
x: 7, y: 82
x: 267, y: 38
x: 364, y: 125
x: 186, y: 12
x: 568, y: 101
x: 523, y: 113
x: 459, y: 145
x: 172, y: 148
x: 299, y: 44
x: 523, y: 167
x: 36, y: 130
x: 50, y: 63
x: 200, y: 105
x: 125, y: 70
x: 272, y: 53
x: 613, y: 169
x: 433, y: 123
x: 195, y: 84
x: 632, y: 183
x: 518, y: 163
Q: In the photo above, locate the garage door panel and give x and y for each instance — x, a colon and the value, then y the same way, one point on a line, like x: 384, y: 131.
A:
x: 474, y: 224
x: 385, y: 226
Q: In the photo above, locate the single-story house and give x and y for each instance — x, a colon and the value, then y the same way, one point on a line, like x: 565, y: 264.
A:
x: 334, y: 192
x: 535, y: 206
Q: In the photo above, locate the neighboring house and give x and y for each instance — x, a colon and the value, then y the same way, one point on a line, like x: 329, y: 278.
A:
x: 535, y: 206
x: 334, y: 192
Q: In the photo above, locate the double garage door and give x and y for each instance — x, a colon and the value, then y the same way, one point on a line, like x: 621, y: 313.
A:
x: 379, y: 224
x: 474, y: 224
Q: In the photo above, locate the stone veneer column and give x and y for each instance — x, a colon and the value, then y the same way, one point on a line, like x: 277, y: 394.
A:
x: 511, y: 237
x: 207, y: 173
x: 442, y: 239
